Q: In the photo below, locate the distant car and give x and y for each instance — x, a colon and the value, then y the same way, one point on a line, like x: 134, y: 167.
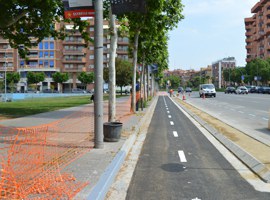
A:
x: 241, y: 90
x: 50, y: 91
x: 253, y: 89
x: 180, y: 90
x: 188, y: 89
x: 78, y: 90
x: 30, y: 90
x: 263, y: 90
x: 230, y: 90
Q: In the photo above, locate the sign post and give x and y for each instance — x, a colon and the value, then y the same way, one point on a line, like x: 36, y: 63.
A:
x: 85, y: 8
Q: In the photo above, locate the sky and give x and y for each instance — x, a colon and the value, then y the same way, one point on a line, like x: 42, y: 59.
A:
x: 210, y: 31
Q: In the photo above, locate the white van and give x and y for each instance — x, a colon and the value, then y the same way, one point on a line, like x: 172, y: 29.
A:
x: 207, y: 90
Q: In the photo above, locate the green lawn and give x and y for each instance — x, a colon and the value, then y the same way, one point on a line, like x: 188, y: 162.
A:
x: 39, y: 105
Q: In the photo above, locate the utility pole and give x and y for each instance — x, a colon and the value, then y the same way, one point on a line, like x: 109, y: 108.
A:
x: 98, y: 101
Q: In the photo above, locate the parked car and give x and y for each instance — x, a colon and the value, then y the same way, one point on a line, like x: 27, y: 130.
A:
x: 241, y: 90
x: 230, y: 90
x: 188, y: 89
x: 78, y: 90
x: 30, y: 90
x: 263, y: 90
x: 253, y: 89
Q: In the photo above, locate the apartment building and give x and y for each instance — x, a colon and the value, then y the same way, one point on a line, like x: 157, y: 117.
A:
x: 50, y: 56
x: 258, y: 31
x: 218, y: 67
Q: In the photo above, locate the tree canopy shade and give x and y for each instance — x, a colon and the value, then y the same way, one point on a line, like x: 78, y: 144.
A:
x: 35, y: 77
x: 86, y: 78
x: 22, y: 20
x: 13, y: 77
x: 59, y: 77
x: 123, y: 73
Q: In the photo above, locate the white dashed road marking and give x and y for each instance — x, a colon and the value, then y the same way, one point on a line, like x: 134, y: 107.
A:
x: 171, y: 122
x: 175, y: 134
x: 182, y: 156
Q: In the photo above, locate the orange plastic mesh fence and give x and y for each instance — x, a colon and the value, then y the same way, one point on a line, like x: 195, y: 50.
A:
x: 29, y: 166
x: 33, y: 159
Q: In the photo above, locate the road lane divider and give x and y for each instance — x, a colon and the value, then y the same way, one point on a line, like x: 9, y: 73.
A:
x: 182, y: 156
x: 175, y: 134
x: 171, y: 122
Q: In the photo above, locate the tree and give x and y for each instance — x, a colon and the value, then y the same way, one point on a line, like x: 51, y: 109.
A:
x: 60, y: 78
x: 161, y: 16
x: 12, y: 78
x: 174, y: 80
x: 123, y: 73
x: 35, y: 78
x: 22, y: 20
x: 86, y: 78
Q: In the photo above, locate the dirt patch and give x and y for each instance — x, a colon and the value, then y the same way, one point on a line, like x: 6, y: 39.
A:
x: 252, y: 146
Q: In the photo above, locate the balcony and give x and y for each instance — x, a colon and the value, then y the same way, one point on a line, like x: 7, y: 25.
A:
x: 74, y: 60
x: 73, y: 41
x: 9, y: 59
x: 3, y: 41
x: 74, y: 69
x: 9, y: 50
x: 9, y: 69
x: 74, y: 52
x: 37, y: 68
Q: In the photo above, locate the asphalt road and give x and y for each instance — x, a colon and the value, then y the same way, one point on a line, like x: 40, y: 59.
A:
x: 248, y: 113
x: 178, y: 162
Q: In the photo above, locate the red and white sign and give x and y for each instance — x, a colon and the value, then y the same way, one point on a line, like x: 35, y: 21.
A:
x: 78, y: 8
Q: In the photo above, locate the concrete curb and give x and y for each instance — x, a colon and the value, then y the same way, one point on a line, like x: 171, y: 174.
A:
x: 252, y: 163
x: 101, y: 188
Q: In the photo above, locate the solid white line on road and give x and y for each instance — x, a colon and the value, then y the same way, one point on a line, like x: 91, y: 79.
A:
x: 252, y: 115
x: 175, y: 134
x: 171, y: 122
x: 182, y: 156
x: 169, y: 116
x: 265, y: 118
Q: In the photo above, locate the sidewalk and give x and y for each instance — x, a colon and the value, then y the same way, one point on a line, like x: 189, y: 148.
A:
x: 71, y: 135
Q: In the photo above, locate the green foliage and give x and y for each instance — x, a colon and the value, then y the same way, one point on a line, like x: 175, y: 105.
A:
x: 153, y: 27
x: 35, y: 77
x: 59, y: 77
x: 259, y: 68
x: 86, y: 78
x: 22, y: 20
x: 123, y: 70
x: 13, y: 77
x: 174, y: 81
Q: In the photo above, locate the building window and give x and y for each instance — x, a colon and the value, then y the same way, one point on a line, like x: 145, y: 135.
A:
x: 91, y: 57
x: 46, y: 63
x: 51, y: 54
x: 46, y: 53
x: 46, y: 45
x: 51, y: 63
x: 91, y: 29
x: 40, y: 45
x: 51, y: 45
x: 41, y: 54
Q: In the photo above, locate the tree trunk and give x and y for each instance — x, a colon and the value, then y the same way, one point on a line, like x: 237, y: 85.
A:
x: 135, y: 52
x: 112, y: 81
